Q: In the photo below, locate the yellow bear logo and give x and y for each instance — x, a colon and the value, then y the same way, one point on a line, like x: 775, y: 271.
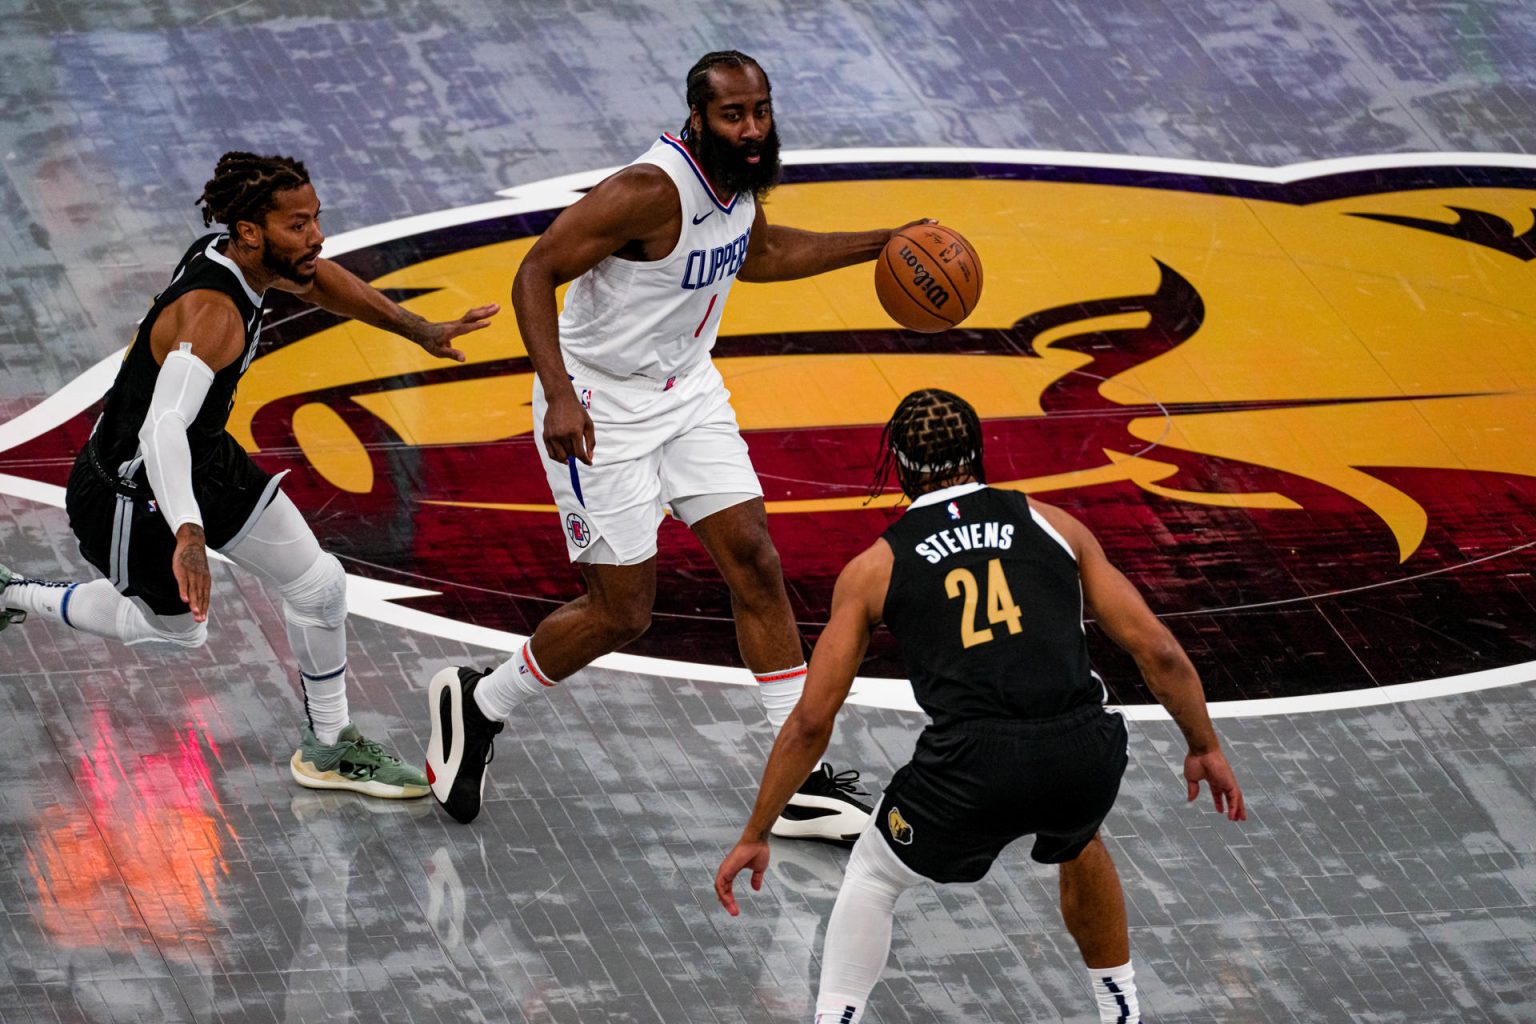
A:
x: 901, y: 832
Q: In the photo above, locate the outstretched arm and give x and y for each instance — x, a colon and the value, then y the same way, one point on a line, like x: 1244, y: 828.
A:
x: 857, y: 602
x: 338, y: 290
x: 783, y: 254
x: 1120, y: 610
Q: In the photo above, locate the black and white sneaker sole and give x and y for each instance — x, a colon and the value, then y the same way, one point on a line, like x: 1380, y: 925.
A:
x: 445, y: 749
x: 820, y: 817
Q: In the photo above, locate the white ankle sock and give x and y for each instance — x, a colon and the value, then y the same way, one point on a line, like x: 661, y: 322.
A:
x: 1115, y: 991
x: 511, y: 683
x: 780, y: 691
x: 325, y: 702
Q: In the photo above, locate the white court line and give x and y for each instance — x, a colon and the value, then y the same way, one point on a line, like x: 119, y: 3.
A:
x: 374, y: 599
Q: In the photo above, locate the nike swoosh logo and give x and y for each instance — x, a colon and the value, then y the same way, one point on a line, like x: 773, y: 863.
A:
x: 700, y: 220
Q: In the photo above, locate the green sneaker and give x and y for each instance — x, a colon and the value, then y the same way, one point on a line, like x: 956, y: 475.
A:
x: 355, y: 763
x: 9, y: 616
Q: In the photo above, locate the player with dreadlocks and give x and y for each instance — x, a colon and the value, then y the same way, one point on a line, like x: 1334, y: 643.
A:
x: 161, y: 480
x: 984, y: 589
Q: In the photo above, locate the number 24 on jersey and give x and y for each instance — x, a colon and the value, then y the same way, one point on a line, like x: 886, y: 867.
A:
x: 1001, y: 607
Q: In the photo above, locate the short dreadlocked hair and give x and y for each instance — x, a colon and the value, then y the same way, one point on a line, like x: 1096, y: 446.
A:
x: 933, y: 437
x: 243, y: 186
x: 699, y: 90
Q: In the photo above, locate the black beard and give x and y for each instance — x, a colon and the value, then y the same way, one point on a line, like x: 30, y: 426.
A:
x: 288, y: 269
x: 727, y: 167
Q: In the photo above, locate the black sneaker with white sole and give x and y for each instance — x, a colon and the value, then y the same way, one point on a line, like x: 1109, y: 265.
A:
x: 825, y: 808
x: 461, y: 743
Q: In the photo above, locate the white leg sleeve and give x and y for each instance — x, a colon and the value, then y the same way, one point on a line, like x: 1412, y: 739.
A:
x: 282, y: 549
x: 859, y: 931
x: 97, y: 608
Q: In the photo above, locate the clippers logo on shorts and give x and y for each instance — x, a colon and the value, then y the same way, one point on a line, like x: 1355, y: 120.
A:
x: 1292, y: 403
x: 900, y: 831
x: 581, y: 533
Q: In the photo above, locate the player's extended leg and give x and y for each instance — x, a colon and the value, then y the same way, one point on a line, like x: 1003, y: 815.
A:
x: 468, y: 707
x: 1093, y: 907
x: 615, y: 610
x: 96, y: 608
x: 859, y: 930
x: 737, y: 538
x: 333, y: 754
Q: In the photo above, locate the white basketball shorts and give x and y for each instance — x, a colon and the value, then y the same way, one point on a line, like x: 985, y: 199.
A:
x: 654, y: 444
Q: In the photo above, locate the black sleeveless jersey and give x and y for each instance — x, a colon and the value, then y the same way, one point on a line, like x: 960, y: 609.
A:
x: 116, y: 436
x: 987, y: 607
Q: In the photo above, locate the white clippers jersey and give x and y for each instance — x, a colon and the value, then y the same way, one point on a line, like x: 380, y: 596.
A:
x: 658, y: 319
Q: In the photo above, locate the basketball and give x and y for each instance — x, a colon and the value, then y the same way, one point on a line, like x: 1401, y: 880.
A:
x: 928, y: 278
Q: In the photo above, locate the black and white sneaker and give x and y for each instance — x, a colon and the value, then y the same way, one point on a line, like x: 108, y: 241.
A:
x: 825, y: 808
x: 461, y: 743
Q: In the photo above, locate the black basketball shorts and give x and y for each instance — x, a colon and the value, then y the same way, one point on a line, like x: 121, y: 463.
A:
x: 972, y: 788
x: 122, y: 532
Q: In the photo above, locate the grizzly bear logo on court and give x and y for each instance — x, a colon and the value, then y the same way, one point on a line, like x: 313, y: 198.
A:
x: 1286, y: 398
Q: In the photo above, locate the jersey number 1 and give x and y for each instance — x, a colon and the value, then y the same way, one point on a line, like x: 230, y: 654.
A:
x: 1000, y: 604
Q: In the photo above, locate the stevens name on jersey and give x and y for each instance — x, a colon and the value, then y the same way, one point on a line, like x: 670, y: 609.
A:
x: 957, y: 539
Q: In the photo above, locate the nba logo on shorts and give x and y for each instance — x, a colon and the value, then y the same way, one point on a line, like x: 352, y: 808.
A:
x: 581, y: 533
x: 585, y: 396
x: 953, y: 510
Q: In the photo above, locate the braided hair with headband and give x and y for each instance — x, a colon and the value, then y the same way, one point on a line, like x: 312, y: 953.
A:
x: 933, y: 439
x: 244, y: 184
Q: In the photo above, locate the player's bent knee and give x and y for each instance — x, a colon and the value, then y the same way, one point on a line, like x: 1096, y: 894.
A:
x: 628, y: 624
x: 767, y: 570
x: 319, y: 596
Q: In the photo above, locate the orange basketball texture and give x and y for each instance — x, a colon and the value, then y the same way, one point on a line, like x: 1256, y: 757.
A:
x: 928, y: 277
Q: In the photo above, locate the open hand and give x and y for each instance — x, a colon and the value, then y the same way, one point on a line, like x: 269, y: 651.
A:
x: 744, y: 854
x: 189, y: 564
x: 1212, y: 768
x: 438, y: 338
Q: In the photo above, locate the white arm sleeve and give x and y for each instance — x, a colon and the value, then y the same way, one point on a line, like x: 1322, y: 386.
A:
x: 180, y: 388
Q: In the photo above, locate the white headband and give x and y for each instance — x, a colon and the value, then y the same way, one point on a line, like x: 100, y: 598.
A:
x: 917, y: 467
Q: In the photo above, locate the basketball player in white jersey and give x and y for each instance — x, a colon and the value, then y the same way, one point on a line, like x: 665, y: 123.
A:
x: 634, y: 417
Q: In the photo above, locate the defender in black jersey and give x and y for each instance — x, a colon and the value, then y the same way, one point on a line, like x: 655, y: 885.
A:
x: 160, y: 480
x: 985, y: 591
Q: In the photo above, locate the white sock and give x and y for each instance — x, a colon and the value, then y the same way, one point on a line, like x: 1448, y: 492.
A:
x: 98, y: 609
x: 780, y: 692
x: 37, y: 597
x: 511, y: 683
x: 325, y: 702
x: 1115, y: 991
